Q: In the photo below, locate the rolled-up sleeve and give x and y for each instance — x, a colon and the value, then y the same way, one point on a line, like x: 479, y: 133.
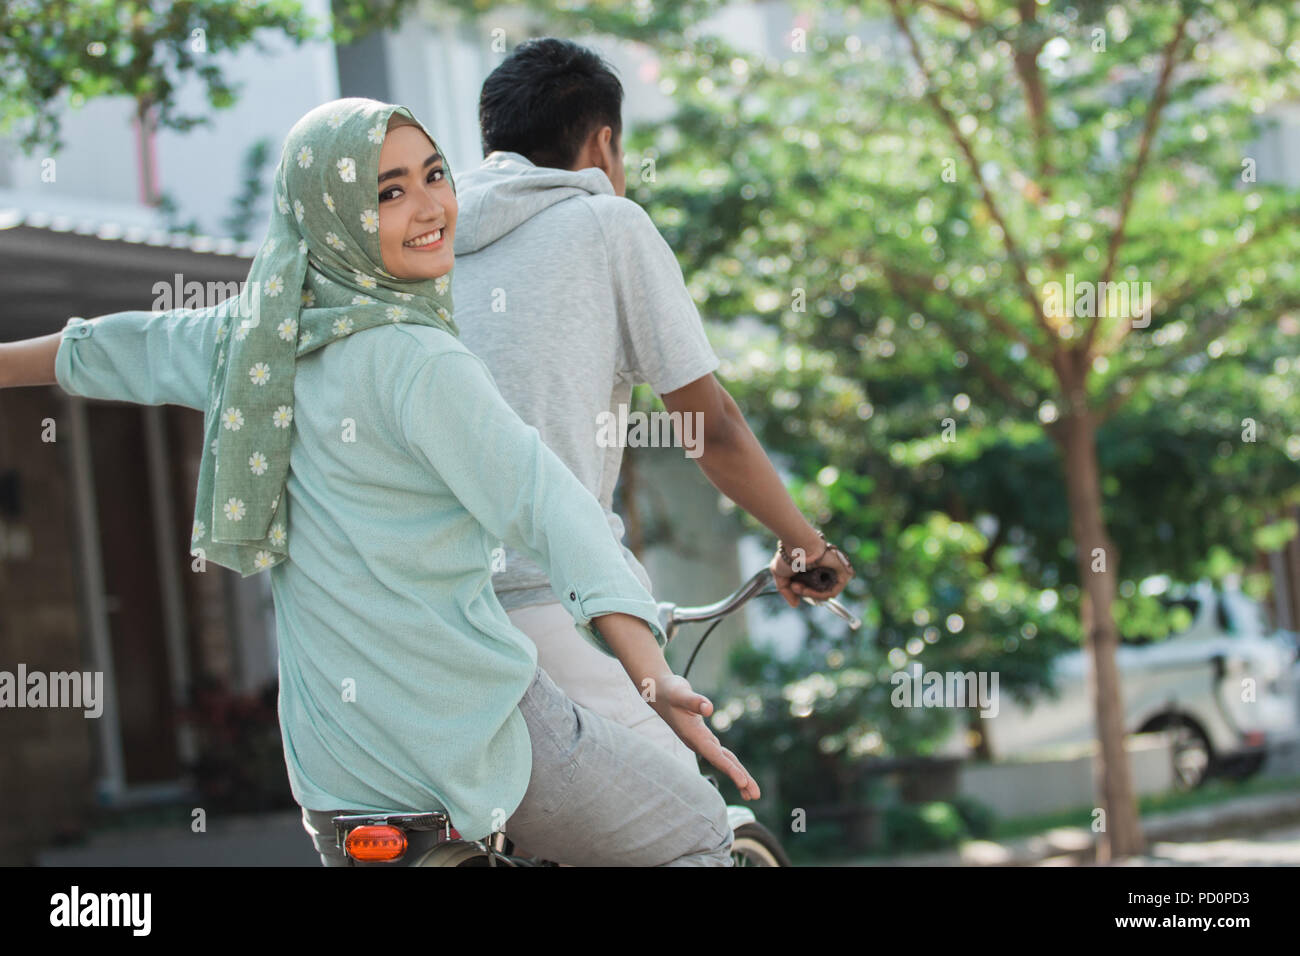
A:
x: 453, y: 417
x: 148, y: 358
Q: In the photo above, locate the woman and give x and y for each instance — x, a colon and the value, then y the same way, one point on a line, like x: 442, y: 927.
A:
x: 356, y: 449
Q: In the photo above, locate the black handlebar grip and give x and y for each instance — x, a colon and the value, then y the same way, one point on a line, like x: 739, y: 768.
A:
x: 817, y: 579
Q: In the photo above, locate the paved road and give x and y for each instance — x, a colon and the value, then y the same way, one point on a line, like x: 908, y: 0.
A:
x: 1276, y: 847
x: 273, y: 839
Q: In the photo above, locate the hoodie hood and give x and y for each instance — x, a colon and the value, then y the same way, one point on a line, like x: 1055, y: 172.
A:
x: 507, y: 190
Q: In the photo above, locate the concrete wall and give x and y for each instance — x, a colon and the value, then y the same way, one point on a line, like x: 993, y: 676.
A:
x: 1016, y: 789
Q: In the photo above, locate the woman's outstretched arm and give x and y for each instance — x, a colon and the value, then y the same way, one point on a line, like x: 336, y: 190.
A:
x: 454, y: 418
x: 29, y: 362
x: 149, y: 358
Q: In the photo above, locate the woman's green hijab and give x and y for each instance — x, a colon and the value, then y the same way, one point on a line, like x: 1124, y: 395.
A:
x: 318, y: 277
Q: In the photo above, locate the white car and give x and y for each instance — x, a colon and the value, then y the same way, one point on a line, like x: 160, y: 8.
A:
x: 1227, y: 687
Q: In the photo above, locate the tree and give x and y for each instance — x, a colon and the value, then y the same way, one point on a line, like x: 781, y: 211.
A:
x: 900, y: 194
x: 74, y: 50
x: 57, y: 52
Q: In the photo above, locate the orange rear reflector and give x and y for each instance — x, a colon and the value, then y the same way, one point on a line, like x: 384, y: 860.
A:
x: 375, y: 843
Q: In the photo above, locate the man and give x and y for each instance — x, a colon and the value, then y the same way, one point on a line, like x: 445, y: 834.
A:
x: 571, y: 297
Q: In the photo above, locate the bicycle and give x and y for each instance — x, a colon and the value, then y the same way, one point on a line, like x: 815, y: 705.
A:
x: 387, y: 837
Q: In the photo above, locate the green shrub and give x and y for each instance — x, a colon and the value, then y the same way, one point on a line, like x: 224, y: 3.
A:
x: 909, y: 828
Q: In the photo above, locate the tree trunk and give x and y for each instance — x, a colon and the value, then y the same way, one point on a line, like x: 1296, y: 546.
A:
x: 1122, y: 833
x: 147, y: 160
x: 975, y: 723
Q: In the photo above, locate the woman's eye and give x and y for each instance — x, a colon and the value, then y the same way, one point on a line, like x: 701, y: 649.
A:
x: 392, y: 192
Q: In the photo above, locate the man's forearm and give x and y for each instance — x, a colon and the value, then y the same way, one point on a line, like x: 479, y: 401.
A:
x: 739, y: 468
x: 29, y: 362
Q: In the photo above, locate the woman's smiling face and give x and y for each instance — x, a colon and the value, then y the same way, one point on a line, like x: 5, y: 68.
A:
x: 417, y: 206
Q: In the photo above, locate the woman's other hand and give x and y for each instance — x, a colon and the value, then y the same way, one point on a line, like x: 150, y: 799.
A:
x: 684, y: 711
x: 669, y: 695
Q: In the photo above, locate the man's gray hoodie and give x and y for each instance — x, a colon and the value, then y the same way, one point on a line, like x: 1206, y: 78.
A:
x: 570, y: 296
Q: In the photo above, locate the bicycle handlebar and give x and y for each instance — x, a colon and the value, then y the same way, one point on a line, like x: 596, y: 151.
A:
x: 819, y: 579
x: 672, y: 617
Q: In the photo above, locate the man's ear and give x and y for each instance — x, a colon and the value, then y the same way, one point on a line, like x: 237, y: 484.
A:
x: 597, y: 151
x: 608, y: 140
x: 608, y: 156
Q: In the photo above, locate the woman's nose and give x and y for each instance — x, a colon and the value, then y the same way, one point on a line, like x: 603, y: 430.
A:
x: 432, y: 207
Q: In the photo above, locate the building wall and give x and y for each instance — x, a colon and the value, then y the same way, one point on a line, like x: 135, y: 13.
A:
x: 436, y: 62
x: 46, y: 758
x: 53, y: 762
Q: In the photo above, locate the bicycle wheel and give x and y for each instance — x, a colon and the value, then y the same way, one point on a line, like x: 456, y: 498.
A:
x: 454, y: 853
x: 753, y: 845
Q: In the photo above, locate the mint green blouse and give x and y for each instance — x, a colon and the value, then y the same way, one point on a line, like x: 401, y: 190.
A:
x: 400, y: 674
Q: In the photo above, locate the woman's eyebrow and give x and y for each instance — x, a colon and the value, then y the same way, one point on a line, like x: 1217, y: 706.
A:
x: 402, y: 170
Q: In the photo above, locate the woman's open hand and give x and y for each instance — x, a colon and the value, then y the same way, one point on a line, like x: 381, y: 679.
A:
x: 684, y: 711
x: 669, y: 694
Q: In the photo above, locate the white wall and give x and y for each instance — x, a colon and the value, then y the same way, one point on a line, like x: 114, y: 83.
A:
x: 436, y: 69
x: 202, y: 169
x: 437, y: 64
x: 97, y: 164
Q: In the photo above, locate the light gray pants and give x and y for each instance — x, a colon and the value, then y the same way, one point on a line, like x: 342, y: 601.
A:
x: 599, y: 795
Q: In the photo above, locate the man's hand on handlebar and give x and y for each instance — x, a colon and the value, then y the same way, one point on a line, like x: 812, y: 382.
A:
x: 684, y: 711
x: 832, y: 559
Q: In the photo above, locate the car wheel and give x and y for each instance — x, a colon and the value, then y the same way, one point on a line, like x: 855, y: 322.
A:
x: 1191, y: 754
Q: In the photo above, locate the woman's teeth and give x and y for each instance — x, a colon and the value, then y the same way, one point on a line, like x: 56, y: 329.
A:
x: 425, y: 240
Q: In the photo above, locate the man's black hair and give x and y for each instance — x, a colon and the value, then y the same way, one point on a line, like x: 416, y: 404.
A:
x: 544, y: 100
